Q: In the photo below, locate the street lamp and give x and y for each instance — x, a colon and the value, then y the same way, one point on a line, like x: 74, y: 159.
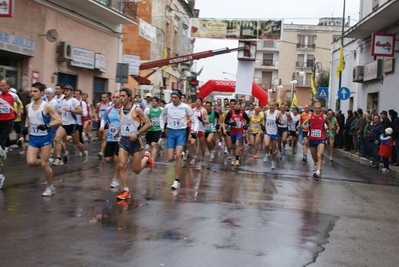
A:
x: 293, y: 82
x: 319, y: 67
x: 228, y: 73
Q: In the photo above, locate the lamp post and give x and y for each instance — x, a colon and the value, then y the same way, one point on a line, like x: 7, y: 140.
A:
x: 316, y: 66
x: 228, y: 73
x: 293, y: 82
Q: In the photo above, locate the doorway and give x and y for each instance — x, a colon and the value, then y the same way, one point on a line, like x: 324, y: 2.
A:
x: 11, y: 74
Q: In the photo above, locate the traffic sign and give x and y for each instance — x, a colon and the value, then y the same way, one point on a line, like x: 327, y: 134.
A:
x: 322, y: 92
x: 344, y: 93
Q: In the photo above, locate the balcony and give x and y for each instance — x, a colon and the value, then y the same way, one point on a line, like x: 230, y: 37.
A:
x: 301, y: 46
x: 267, y: 45
x: 269, y: 64
x: 305, y: 64
x: 113, y: 11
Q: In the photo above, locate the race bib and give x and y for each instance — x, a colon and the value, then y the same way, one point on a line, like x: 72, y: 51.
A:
x: 4, y: 110
x: 315, y: 133
x: 238, y: 124
x: 66, y: 114
x: 270, y: 123
x: 255, y: 126
x: 175, y: 122
x: 209, y: 127
x: 112, y: 128
x: 155, y: 122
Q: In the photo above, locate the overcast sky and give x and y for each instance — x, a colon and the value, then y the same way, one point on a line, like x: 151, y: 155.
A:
x: 295, y: 11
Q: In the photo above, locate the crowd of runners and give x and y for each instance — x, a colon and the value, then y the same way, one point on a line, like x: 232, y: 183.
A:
x: 55, y: 116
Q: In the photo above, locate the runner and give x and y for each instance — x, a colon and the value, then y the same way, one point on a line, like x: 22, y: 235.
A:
x: 255, y: 130
x: 283, y: 130
x: 272, y: 119
x: 87, y: 119
x: 199, y: 137
x: 131, y: 118
x: 238, y: 121
x: 305, y: 132
x: 225, y: 132
x: 153, y: 113
x: 78, y: 95
x: 293, y: 130
x: 112, y: 117
x: 175, y: 114
x: 315, y: 122
x: 70, y: 108
x: 331, y: 134
x: 41, y: 117
x: 101, y: 107
x: 210, y: 129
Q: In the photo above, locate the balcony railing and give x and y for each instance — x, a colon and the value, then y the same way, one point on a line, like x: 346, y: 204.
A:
x: 305, y: 46
x: 305, y: 64
x: 126, y: 8
x: 267, y: 62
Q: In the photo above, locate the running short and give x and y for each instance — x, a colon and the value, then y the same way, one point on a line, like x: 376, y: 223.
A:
x: 18, y: 126
x: 305, y: 134
x: 130, y: 146
x: 315, y: 143
x: 40, y: 141
x: 330, y: 135
x: 272, y: 136
x: 153, y: 137
x: 187, y: 132
x: 207, y: 134
x: 235, y: 137
x: 254, y: 134
x: 70, y: 129
x: 111, y: 149
x: 200, y: 134
x: 282, y: 130
x: 293, y: 133
x: 176, y: 138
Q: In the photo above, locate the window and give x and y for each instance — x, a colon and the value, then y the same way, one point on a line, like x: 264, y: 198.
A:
x: 267, y: 59
x: 268, y: 43
x: 130, y: 10
x: 267, y: 78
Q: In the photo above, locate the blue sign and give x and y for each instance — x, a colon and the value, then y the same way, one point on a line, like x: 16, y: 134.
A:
x: 322, y: 92
x: 344, y: 93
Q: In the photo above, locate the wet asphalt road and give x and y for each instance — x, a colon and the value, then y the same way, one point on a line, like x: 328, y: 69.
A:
x: 222, y: 215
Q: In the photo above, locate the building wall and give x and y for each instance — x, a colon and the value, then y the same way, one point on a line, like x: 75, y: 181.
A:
x: 32, y: 20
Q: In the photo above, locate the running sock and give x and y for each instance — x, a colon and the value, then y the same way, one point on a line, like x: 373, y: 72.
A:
x: 126, y: 189
x: 177, y: 180
x: 51, y: 186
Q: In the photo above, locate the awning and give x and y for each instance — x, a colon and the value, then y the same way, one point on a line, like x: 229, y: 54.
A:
x: 378, y: 21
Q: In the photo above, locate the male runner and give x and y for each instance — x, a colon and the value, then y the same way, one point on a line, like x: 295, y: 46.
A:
x: 283, y: 130
x: 153, y: 112
x: 41, y: 116
x: 99, y: 110
x: 293, y: 130
x: 211, y: 128
x: 202, y: 116
x: 305, y: 131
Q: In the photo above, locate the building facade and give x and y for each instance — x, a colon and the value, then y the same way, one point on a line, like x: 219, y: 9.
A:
x: 281, y: 63
x: 371, y: 79
x: 76, y: 42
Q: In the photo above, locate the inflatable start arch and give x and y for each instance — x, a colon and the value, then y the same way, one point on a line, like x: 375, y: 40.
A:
x: 229, y: 86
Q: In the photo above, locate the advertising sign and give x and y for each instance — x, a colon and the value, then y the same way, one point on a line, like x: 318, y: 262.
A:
x: 101, y: 62
x: 372, y: 70
x: 15, y: 44
x: 236, y: 29
x: 83, y: 58
x: 6, y: 8
x: 134, y: 64
x: 383, y: 44
x: 147, y: 31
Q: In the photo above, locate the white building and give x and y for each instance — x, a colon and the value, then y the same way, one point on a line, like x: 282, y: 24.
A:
x: 371, y: 79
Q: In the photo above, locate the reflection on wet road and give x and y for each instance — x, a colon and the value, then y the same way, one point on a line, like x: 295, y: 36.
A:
x: 221, y: 216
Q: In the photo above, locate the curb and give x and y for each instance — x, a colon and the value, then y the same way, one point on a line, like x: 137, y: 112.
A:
x: 393, y: 170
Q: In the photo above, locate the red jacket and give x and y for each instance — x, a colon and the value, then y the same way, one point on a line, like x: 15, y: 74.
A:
x: 386, y: 146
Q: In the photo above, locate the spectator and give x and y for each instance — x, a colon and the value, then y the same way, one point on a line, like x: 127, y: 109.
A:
x: 375, y: 131
x: 366, y: 135
x: 339, y: 136
x: 353, y: 132
x: 395, y: 126
x: 386, y: 147
x: 385, y: 120
x: 348, y: 137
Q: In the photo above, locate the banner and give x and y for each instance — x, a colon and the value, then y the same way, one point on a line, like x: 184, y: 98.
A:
x: 341, y: 61
x: 245, y: 74
x: 147, y: 31
x: 294, y: 102
x: 312, y: 85
x: 236, y: 29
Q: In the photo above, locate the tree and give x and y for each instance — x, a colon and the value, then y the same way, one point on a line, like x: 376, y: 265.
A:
x: 322, y: 80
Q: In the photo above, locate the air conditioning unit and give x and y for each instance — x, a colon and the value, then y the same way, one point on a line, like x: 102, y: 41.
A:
x: 65, y: 51
x: 357, y: 74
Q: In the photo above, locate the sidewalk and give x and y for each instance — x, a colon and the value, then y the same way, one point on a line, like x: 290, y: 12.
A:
x: 393, y: 170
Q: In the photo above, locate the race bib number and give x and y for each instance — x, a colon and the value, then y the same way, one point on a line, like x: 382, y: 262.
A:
x: 127, y: 128
x: 255, y: 126
x: 315, y: 133
x: 238, y: 124
x: 66, y: 114
x: 175, y: 122
x: 4, y: 110
x: 155, y: 122
x: 270, y: 123
x: 112, y: 128
x: 209, y: 127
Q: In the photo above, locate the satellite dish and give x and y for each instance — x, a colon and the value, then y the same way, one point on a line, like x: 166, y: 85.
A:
x: 52, y: 35
x: 187, y: 73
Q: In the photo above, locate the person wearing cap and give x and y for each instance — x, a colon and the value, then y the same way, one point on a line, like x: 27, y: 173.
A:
x: 385, y: 120
x: 153, y: 113
x: 175, y: 115
x: 70, y: 108
x: 41, y: 117
x: 386, y: 147
x: 147, y: 101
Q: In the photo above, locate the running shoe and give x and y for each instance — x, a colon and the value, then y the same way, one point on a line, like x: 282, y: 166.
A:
x: 383, y: 170
x: 90, y: 139
x: 305, y: 158
x: 212, y: 156
x: 183, y: 156
x: 175, y: 185
x: 219, y: 144
x: 193, y: 161
x: 65, y: 158
x: 280, y: 156
x: 50, y: 161
x: 266, y: 158
x: 3, y: 154
x: 232, y: 162
x: 2, y: 178
x: 317, y: 175
x: 255, y: 156
x: 225, y: 150
x: 237, y: 163
x: 58, y: 162
x: 20, y: 143
x: 100, y: 155
x: 124, y: 195
x: 85, y: 156
x: 331, y: 159
x: 314, y: 168
x: 150, y: 162
x: 50, y: 190
x: 114, y: 184
x: 80, y: 154
x: 273, y: 165
x: 283, y: 151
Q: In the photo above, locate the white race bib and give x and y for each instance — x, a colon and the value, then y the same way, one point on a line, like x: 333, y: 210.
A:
x: 315, y: 133
x: 112, y: 128
x: 155, y: 121
x: 4, y: 110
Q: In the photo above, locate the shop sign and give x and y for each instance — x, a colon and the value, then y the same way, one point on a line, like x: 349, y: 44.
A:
x: 16, y: 44
x: 82, y: 58
x: 6, y: 8
x: 101, y: 62
x: 147, y: 31
x: 372, y: 70
x: 383, y: 44
x: 388, y: 65
x: 134, y: 64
